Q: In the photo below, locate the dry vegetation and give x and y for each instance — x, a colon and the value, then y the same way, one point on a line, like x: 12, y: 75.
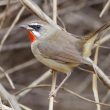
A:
x: 20, y: 70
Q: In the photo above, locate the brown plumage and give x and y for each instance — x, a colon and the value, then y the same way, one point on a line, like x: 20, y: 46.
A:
x: 57, y: 49
x: 61, y: 48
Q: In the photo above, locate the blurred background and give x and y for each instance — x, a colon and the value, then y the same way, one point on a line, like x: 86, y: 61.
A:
x: 79, y: 17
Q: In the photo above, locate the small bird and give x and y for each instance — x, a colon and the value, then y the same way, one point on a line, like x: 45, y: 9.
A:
x: 56, y: 48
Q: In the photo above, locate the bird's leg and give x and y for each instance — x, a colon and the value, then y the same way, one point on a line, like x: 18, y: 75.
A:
x: 53, y: 93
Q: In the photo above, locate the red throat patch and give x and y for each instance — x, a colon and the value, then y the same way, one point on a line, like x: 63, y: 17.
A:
x: 32, y: 37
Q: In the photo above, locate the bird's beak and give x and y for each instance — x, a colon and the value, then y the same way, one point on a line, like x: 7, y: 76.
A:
x: 26, y: 27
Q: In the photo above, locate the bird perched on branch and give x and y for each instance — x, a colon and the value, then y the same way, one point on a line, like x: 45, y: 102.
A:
x: 57, y: 49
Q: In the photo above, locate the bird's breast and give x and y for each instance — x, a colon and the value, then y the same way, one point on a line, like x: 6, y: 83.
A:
x: 53, y: 64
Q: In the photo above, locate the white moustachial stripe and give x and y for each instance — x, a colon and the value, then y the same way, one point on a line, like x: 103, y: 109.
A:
x: 37, y: 34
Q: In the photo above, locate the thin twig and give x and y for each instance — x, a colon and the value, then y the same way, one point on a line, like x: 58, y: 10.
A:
x: 94, y: 81
x: 3, y: 19
x: 67, y: 90
x: 34, y: 83
x: 10, y: 98
x: 24, y: 107
x: 86, y: 99
x: 4, y: 2
x: 8, y: 78
x: 4, y: 107
x: 12, y: 9
x: 100, y: 73
x: 102, y: 40
x: 11, y: 27
x: 51, y: 101
x: 19, y: 67
x: 106, y: 7
x: 37, y: 11
x: 54, y: 74
x: 55, y: 11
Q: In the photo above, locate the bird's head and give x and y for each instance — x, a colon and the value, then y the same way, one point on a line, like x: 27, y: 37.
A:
x: 38, y: 31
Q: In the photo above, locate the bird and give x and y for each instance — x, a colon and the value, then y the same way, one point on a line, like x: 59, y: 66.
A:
x: 58, y: 49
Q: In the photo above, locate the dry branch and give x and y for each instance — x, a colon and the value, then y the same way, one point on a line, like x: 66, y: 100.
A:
x: 10, y: 98
x: 79, y: 21
x: 11, y: 27
x: 37, y: 11
x: 34, y: 83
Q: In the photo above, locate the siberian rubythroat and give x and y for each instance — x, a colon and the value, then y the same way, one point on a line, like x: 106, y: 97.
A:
x: 57, y: 49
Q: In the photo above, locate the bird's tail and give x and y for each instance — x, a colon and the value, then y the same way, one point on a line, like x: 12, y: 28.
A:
x: 100, y: 30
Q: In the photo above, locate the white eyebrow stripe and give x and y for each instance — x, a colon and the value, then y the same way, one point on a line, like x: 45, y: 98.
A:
x: 34, y: 23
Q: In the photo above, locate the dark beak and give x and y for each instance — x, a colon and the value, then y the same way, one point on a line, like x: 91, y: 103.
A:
x: 25, y: 27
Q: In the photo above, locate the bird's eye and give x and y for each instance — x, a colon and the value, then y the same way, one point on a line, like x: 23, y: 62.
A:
x: 35, y: 27
x: 38, y: 26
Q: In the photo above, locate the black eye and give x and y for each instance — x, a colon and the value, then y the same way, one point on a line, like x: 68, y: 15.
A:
x: 35, y: 27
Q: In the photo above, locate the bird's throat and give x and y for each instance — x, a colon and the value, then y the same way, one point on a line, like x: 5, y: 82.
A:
x: 32, y: 37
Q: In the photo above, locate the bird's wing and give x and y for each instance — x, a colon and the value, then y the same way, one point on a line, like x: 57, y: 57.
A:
x: 62, y: 48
